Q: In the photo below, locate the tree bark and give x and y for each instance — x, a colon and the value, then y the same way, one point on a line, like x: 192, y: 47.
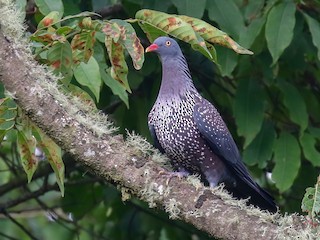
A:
x: 110, y: 157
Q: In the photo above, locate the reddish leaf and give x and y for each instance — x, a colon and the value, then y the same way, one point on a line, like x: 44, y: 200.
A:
x: 120, y: 35
x: 53, y: 154
x: 214, y: 35
x: 50, y: 19
x: 43, y: 36
x: 173, y: 25
x: 60, y: 59
x: 26, y: 147
x: 131, y: 42
x: 82, y: 46
x: 89, y: 24
x: 112, y: 31
x: 119, y: 68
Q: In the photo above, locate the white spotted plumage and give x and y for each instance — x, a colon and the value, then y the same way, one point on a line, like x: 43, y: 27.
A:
x: 172, y: 119
x: 189, y: 129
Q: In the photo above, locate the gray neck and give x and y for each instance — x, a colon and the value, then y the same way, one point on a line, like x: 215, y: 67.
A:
x: 176, y: 78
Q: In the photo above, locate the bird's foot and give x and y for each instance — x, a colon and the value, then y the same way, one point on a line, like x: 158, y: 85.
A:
x: 170, y: 175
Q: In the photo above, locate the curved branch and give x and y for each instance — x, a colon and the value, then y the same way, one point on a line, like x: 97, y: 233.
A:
x: 128, y: 163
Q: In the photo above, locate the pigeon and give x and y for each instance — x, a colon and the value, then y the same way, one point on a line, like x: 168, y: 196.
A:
x: 190, y: 131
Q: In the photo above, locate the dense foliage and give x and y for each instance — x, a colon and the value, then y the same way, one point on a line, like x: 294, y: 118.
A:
x: 270, y: 101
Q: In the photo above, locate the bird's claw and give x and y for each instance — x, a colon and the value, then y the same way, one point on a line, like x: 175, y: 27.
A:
x: 171, y: 175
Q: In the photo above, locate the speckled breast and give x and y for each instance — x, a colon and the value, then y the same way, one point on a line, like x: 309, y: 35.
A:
x: 177, y: 134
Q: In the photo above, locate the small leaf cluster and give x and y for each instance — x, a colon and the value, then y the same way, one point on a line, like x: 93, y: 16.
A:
x: 17, y: 128
x: 68, y: 48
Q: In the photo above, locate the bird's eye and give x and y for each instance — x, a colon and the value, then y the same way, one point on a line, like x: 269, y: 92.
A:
x: 168, y: 43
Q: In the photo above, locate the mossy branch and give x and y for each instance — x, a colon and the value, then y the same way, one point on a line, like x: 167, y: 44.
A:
x: 132, y: 164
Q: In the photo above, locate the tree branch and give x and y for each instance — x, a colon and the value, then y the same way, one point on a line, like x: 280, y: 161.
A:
x: 7, y: 236
x: 20, y: 226
x: 128, y: 164
x: 21, y: 180
x: 28, y: 196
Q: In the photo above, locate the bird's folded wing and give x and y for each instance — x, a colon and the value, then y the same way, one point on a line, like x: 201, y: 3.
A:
x: 215, y: 132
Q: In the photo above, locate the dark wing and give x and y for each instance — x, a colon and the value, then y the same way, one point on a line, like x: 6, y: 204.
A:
x: 215, y: 132
x: 217, y: 135
x: 156, y: 142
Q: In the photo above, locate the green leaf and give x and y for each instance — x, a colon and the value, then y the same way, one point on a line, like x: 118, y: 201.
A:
x: 82, y: 46
x: 311, y: 202
x: 315, y: 132
x: 190, y: 8
x: 115, y: 86
x: 312, y: 102
x: 26, y: 147
x: 249, y: 109
x: 227, y: 61
x: 151, y: 31
x: 295, y: 104
x: 88, y: 74
x: 81, y: 94
x: 279, y: 28
x: 8, y: 114
x: 7, y: 125
x: 129, y: 39
x: 251, y: 32
x: 5, y: 103
x: 308, y: 143
x: 115, y: 49
x: 63, y: 31
x: 47, y: 6
x: 119, y: 67
x: 174, y: 26
x: 49, y: 20
x: 120, y: 35
x: 253, y: 9
x: 53, y: 154
x: 60, y: 59
x: 314, y: 27
x: 43, y: 36
x: 88, y: 24
x: 287, y: 161
x: 214, y: 35
x: 260, y: 149
x: 227, y: 14
x: 2, y: 134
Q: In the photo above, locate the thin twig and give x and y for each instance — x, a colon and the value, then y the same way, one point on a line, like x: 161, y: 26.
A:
x: 19, y: 225
x: 28, y: 196
x: 21, y: 180
x: 7, y: 236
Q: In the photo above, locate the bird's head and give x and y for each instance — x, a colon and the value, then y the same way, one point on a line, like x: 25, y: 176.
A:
x: 165, y: 47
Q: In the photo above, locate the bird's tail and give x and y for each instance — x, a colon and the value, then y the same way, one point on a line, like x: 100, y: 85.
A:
x: 247, y: 188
